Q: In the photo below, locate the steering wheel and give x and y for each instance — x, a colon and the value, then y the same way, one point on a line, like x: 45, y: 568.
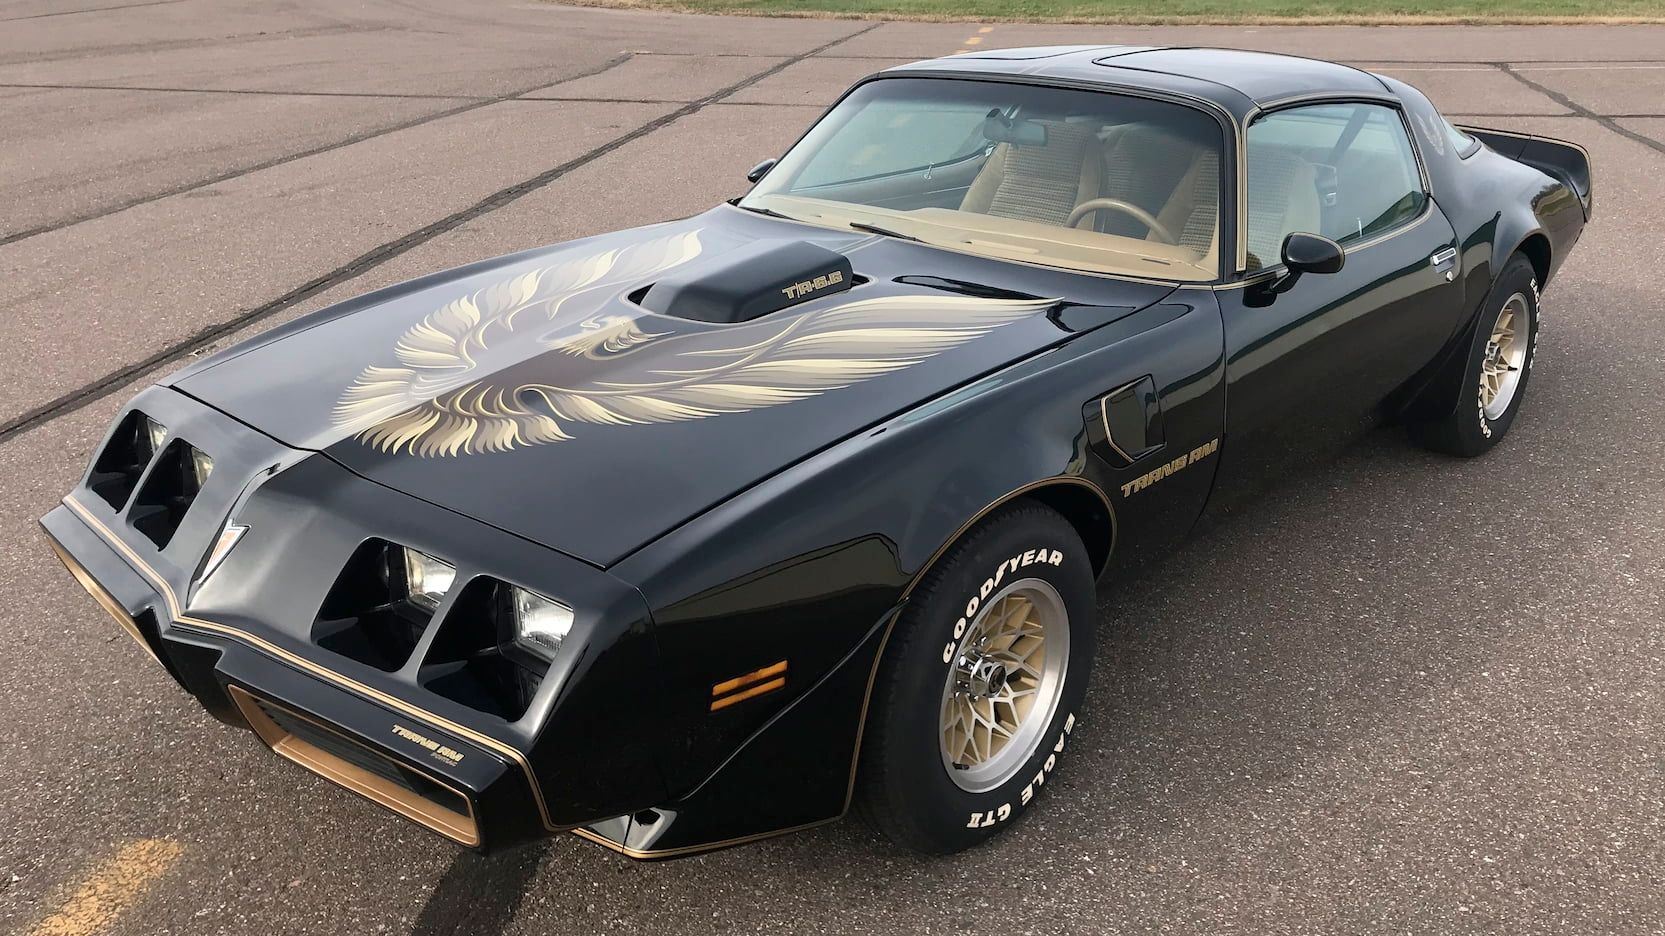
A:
x: 1127, y: 208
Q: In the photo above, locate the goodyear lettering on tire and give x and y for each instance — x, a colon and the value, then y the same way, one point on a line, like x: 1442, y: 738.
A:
x: 1042, y: 555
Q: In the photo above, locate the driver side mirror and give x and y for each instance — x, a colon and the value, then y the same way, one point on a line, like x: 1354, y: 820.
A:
x: 1302, y: 254
x: 760, y: 170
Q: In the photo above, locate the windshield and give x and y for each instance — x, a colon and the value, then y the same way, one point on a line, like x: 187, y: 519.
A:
x: 1086, y: 180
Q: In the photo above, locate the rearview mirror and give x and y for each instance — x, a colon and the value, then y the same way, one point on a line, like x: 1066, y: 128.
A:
x: 760, y: 170
x: 998, y: 128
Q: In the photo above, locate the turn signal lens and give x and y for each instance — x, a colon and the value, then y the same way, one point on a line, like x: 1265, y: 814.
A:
x: 540, y: 623
x: 427, y: 579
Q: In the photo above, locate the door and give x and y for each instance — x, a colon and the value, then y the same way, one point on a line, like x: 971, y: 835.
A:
x: 1307, y: 369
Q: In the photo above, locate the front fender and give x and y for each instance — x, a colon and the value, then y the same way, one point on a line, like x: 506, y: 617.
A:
x: 810, y: 567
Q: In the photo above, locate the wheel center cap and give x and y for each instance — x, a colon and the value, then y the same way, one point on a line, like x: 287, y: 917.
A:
x: 983, y: 676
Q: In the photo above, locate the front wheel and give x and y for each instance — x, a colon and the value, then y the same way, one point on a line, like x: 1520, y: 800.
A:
x: 1496, y: 370
x: 981, y: 683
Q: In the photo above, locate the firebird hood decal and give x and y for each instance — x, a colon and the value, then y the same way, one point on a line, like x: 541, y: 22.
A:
x: 532, y: 392
x: 448, y: 394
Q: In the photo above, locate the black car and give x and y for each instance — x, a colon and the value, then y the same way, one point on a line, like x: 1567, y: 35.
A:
x: 689, y: 535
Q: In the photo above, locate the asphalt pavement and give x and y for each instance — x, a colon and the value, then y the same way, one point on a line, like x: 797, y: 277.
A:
x: 1400, y: 694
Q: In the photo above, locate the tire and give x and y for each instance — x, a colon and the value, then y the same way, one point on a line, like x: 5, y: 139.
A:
x: 934, y: 665
x: 1474, y: 424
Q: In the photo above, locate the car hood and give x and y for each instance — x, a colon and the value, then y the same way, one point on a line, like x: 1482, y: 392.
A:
x: 536, y: 393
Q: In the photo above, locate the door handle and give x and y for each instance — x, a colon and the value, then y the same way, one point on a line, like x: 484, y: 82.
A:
x: 1445, y: 261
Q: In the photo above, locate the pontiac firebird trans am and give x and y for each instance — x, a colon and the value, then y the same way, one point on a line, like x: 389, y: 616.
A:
x: 689, y: 535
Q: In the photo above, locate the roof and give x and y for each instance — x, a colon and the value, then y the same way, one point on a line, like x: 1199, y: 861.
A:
x: 1236, y: 80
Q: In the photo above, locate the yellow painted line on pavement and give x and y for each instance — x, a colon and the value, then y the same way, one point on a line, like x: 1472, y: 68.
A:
x: 974, y: 40
x: 111, y: 889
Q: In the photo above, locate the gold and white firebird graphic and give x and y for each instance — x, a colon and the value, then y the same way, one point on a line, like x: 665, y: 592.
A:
x: 458, y: 388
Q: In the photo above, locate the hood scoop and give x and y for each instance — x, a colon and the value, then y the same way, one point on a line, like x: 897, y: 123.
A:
x: 749, y: 282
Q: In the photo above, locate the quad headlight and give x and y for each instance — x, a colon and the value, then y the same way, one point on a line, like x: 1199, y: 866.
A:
x: 201, y: 466
x: 152, y: 434
x: 427, y: 579
x: 540, y: 624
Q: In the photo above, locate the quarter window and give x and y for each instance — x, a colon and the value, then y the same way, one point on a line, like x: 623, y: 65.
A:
x: 1345, y: 171
x: 1461, y: 143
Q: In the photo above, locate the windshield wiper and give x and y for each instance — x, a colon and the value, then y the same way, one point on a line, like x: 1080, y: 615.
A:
x: 770, y: 212
x: 887, y: 232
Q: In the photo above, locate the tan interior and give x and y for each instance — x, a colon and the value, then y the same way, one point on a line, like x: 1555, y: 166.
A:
x: 1282, y: 199
x: 1040, y: 183
x: 1176, y: 180
x: 1011, y: 238
x: 1018, y: 206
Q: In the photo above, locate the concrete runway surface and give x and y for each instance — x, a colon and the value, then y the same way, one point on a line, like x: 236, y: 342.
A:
x: 1403, y: 694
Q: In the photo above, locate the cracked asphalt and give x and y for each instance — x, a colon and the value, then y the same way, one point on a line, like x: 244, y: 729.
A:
x: 1400, y: 694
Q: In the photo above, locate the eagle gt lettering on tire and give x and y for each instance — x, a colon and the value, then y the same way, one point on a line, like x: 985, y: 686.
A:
x: 977, y: 694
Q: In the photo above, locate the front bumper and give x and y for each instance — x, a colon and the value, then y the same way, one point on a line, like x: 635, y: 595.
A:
x: 591, y: 746
x: 453, y: 782
x: 245, y: 640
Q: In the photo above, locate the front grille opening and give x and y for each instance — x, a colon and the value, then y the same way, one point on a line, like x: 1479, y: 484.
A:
x: 116, y: 472
x: 474, y: 659
x: 168, y: 491
x: 368, y: 614
x: 411, y: 793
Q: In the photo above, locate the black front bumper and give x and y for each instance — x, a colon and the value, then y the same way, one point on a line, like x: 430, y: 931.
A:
x: 468, y: 787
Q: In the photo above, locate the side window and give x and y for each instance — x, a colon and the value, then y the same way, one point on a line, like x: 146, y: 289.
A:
x: 1345, y: 171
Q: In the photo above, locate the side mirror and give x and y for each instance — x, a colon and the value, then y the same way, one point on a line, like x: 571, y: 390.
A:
x: 1309, y: 253
x: 760, y: 170
x: 1302, y: 254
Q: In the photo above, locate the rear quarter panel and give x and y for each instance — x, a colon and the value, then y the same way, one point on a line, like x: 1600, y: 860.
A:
x: 1495, y: 202
x: 1497, y: 206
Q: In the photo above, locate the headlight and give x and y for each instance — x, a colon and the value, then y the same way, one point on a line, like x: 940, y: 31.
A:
x: 540, y: 624
x: 427, y: 579
x: 201, y: 466
x: 153, y: 433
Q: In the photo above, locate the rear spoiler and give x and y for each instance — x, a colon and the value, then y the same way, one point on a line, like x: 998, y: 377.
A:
x: 1567, y: 163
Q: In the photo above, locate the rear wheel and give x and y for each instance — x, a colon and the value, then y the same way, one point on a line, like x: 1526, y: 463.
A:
x: 980, y: 684
x: 1495, y: 373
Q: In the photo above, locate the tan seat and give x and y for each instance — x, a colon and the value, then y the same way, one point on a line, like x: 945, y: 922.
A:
x: 1283, y: 199
x: 1175, y: 178
x: 1039, y: 183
